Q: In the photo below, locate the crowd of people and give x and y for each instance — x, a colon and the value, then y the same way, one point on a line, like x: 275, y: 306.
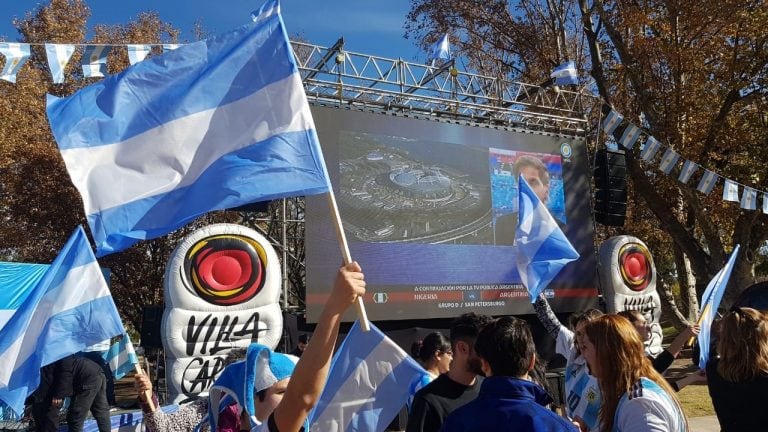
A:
x: 485, y: 376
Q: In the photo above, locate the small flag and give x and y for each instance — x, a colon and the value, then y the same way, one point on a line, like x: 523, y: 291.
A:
x: 58, y: 56
x: 269, y: 8
x: 749, y: 198
x: 688, y: 169
x: 170, y: 47
x: 710, y: 301
x: 730, y: 191
x: 565, y: 74
x: 441, y: 49
x: 668, y: 161
x: 16, y: 54
x: 137, y: 53
x: 95, y: 60
x: 630, y: 136
x: 542, y: 248
x: 214, y: 125
x: 765, y: 203
x: 707, y: 182
x: 121, y: 357
x: 69, y: 309
x: 612, y: 121
x: 369, y: 382
x: 650, y: 148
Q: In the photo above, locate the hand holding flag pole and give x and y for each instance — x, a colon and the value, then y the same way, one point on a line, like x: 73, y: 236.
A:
x: 347, y: 256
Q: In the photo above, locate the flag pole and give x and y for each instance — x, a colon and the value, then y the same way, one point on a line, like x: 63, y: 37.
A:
x: 147, y: 393
x: 361, y: 313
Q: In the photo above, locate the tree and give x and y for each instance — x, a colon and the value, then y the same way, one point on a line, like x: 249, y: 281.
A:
x: 692, y: 74
x: 39, y: 206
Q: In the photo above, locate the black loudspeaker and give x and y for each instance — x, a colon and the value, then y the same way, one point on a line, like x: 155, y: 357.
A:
x: 610, y: 187
x: 151, y: 319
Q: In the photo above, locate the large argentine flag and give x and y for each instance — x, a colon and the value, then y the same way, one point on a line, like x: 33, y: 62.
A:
x: 369, y: 381
x: 69, y: 309
x: 211, y: 125
x: 542, y: 248
x: 710, y: 301
x: 17, y: 281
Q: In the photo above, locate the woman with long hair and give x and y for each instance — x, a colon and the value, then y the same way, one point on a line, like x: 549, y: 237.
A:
x: 435, y: 354
x: 664, y: 360
x: 582, y: 392
x: 635, y: 397
x: 738, y: 380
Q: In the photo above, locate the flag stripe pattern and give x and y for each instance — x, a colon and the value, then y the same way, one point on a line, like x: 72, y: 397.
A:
x: 95, y: 60
x: 17, y: 281
x: 710, y: 301
x: 689, y: 168
x: 612, y: 121
x: 749, y: 198
x: 137, y: 52
x: 121, y: 357
x: 369, y: 382
x: 211, y: 125
x: 542, y: 248
x: 650, y: 149
x: 707, y: 182
x: 668, y: 161
x: 58, y: 56
x: 730, y: 191
x: 16, y: 54
x: 630, y: 136
x: 68, y: 310
x: 565, y: 74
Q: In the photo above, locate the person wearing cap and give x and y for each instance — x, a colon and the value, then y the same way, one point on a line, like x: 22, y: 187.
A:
x: 292, y: 393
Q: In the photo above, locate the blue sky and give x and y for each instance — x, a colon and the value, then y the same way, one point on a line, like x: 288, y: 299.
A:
x: 369, y: 27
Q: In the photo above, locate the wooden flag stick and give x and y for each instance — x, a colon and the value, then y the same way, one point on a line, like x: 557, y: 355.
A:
x: 362, y: 315
x: 699, y: 321
x: 147, y: 393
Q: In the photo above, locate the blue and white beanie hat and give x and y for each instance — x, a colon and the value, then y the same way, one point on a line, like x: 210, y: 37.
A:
x: 240, y: 381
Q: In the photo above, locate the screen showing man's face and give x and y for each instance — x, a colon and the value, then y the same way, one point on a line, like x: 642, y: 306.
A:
x: 531, y: 175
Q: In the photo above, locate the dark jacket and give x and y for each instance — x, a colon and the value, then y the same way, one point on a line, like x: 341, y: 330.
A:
x: 505, y: 403
x: 61, y: 378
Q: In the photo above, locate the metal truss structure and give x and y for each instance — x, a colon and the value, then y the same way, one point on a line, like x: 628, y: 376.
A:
x: 333, y: 76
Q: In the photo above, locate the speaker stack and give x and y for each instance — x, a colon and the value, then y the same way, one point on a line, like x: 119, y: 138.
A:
x: 151, y: 320
x: 610, y: 187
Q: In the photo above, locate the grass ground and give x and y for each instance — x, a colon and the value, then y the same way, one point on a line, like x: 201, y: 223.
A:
x: 695, y: 401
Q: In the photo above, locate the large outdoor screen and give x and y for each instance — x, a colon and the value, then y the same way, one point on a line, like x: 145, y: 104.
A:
x: 429, y: 209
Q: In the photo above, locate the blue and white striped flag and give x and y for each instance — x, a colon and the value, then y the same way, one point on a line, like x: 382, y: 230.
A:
x: 630, y: 136
x: 542, y: 248
x: 668, y: 161
x: 211, y: 125
x: 710, y: 301
x: 689, y: 168
x: 95, y: 60
x: 137, y: 52
x: 17, y: 280
x: 565, y: 74
x: 58, y: 56
x: 707, y: 182
x: 765, y: 203
x: 170, y: 47
x: 749, y: 198
x: 121, y: 357
x: 69, y: 309
x: 441, y: 49
x: 612, y: 121
x: 369, y: 382
x: 16, y: 54
x: 730, y: 191
x: 650, y: 148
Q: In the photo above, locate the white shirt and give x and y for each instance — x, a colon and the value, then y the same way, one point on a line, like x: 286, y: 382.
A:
x: 648, y: 408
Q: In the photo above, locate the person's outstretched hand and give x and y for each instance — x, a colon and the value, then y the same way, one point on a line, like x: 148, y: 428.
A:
x: 349, y: 284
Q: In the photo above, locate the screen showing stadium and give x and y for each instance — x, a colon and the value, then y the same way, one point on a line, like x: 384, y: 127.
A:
x: 429, y: 209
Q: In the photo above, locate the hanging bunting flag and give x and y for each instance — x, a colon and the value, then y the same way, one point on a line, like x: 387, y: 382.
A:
x: 765, y: 203
x: 668, y: 161
x: 707, y: 182
x: 137, y: 53
x: 95, y: 60
x: 730, y: 191
x: 169, y: 47
x: 58, y: 57
x: 565, y: 74
x: 630, y: 136
x: 16, y: 54
x: 688, y: 169
x: 650, y: 148
x: 749, y: 198
x: 612, y: 121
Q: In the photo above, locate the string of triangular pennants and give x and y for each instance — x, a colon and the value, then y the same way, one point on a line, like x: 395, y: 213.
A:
x: 670, y: 159
x: 94, y: 59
